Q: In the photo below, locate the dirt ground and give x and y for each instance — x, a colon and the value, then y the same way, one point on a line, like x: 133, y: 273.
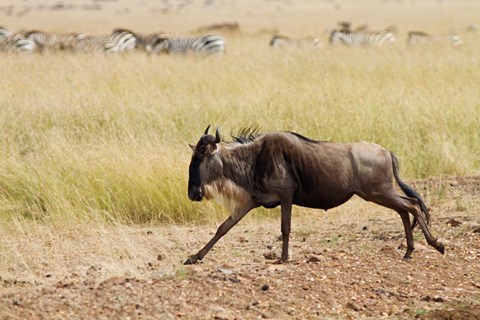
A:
x: 343, y: 267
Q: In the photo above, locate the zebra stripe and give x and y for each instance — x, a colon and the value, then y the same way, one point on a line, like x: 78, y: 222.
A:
x: 361, y: 38
x: 143, y: 41
x: 202, y: 45
x: 113, y: 43
x: 45, y: 41
x: 16, y: 43
x: 282, y: 41
x: 420, y: 37
x: 148, y: 41
x: 4, y: 32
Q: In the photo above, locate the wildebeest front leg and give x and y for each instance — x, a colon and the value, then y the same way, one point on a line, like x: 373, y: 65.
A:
x: 286, y: 224
x: 221, y: 231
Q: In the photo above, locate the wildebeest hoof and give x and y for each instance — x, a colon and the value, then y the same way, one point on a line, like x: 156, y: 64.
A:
x: 407, y: 258
x: 280, y: 261
x: 190, y: 260
x: 440, y: 247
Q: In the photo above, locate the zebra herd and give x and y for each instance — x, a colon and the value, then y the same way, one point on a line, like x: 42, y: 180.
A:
x: 120, y: 40
x: 123, y: 40
x: 361, y: 36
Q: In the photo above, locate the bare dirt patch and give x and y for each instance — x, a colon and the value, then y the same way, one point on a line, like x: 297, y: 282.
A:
x: 346, y: 264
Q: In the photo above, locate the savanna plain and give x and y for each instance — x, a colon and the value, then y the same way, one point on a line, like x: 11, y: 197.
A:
x: 95, y: 222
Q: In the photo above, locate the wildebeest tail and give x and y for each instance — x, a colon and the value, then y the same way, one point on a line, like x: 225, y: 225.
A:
x: 410, y: 192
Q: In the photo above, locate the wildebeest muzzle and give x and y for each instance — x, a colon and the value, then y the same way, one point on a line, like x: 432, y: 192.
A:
x: 195, y: 194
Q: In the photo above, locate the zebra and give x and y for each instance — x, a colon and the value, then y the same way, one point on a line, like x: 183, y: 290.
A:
x: 202, y: 45
x: 45, y: 41
x: 4, y: 32
x: 361, y: 38
x: 112, y: 43
x: 16, y: 43
x: 143, y: 41
x: 279, y: 41
x: 420, y: 37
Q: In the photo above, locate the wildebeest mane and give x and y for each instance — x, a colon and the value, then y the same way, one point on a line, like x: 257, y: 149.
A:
x: 304, y: 138
x: 250, y: 134
x: 246, y: 135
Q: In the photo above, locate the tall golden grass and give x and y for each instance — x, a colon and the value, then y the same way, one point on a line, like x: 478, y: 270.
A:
x: 107, y: 135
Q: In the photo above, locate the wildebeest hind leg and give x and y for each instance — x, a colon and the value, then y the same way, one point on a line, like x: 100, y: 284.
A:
x: 413, y: 208
x: 408, y: 233
x: 391, y: 199
x: 286, y: 208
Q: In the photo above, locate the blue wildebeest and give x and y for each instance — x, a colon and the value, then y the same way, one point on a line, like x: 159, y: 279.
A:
x: 286, y: 168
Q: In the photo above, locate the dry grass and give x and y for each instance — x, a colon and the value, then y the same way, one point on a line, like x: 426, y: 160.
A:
x: 91, y: 142
x: 91, y: 135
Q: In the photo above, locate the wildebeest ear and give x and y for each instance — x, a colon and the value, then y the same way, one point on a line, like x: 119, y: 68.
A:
x: 217, y: 136
x: 192, y: 147
x: 206, y: 130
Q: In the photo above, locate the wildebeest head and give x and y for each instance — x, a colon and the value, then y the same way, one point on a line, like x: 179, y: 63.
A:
x: 205, y: 167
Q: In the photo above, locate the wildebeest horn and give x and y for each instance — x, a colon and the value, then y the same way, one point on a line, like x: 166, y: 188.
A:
x: 206, y: 130
x: 217, y: 136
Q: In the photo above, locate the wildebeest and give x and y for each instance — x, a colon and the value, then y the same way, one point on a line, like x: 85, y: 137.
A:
x: 286, y: 168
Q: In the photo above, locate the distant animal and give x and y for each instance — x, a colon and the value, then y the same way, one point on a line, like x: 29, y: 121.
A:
x: 393, y: 29
x: 361, y: 38
x: 279, y: 41
x: 4, y: 32
x: 51, y: 41
x: 361, y: 28
x: 121, y: 41
x: 16, y: 43
x: 286, y: 168
x: 420, y: 37
x: 201, y: 45
x: 345, y: 26
x: 220, y: 27
x: 472, y: 27
x: 143, y: 41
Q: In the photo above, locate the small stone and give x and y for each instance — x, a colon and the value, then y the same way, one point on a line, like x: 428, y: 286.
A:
x: 353, y: 306
x: 222, y: 314
x: 162, y: 274
x: 265, y: 287
x: 453, y: 223
x: 365, y: 228
x: 271, y: 255
x: 314, y: 259
x: 434, y: 299
x: 226, y: 271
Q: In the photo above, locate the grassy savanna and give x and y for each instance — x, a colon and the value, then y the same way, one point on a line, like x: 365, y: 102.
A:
x: 91, y: 146
x: 88, y: 135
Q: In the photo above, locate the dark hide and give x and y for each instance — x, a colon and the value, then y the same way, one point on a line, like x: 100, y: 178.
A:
x: 285, y: 168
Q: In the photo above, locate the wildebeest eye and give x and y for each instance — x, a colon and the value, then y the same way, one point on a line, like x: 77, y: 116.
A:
x: 202, y: 151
